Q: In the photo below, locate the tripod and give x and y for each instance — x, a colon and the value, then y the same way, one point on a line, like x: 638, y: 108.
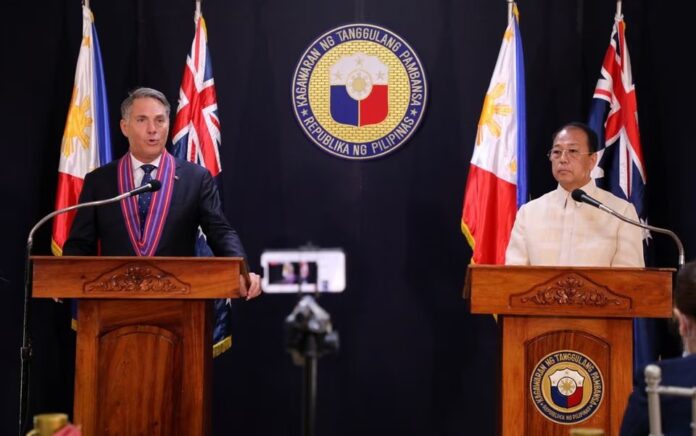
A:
x: 309, y: 335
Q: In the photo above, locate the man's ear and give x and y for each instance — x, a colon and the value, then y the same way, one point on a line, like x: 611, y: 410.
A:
x: 594, y: 156
x: 684, y: 322
x: 123, y: 124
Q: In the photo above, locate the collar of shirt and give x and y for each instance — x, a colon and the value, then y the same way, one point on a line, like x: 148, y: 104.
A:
x: 138, y: 172
x: 561, y: 197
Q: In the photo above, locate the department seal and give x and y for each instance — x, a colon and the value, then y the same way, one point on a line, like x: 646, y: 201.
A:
x: 566, y: 387
x: 359, y: 91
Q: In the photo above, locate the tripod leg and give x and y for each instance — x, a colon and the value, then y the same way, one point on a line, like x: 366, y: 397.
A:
x: 310, y: 387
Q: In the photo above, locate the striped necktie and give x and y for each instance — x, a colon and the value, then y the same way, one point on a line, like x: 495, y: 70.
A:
x: 144, y: 198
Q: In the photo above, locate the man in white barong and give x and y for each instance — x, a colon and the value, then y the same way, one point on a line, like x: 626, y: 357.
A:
x: 556, y: 230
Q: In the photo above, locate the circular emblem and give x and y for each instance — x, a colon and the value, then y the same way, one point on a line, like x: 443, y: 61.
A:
x: 566, y: 387
x: 359, y: 91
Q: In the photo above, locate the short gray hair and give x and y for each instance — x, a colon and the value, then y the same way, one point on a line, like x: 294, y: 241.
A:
x: 143, y: 92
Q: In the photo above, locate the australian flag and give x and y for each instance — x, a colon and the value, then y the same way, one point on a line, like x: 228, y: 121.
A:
x: 621, y: 167
x: 196, y: 138
x: 614, y: 116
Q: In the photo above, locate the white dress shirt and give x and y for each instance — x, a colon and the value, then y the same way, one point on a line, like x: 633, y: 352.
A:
x: 138, y: 172
x: 556, y: 230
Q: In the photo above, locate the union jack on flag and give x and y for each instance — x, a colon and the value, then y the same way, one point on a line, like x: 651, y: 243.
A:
x: 196, y: 138
x: 196, y: 133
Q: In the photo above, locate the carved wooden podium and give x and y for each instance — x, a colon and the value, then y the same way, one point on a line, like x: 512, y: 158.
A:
x: 144, y: 350
x: 567, y: 340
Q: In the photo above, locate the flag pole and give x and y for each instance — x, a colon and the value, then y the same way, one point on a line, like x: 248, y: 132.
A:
x: 86, y: 3
x: 197, y: 15
x: 618, y: 9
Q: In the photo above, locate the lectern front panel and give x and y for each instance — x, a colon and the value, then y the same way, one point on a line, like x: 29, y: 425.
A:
x: 567, y: 372
x: 143, y: 367
x: 129, y: 357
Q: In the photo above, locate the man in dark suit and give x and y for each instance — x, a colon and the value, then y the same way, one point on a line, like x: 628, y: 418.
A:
x: 675, y: 411
x: 164, y: 223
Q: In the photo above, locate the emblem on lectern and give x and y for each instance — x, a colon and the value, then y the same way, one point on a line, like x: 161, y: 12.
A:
x: 566, y: 387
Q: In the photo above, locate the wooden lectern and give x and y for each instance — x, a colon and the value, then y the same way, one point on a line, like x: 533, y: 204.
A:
x: 567, y: 340
x: 144, y: 345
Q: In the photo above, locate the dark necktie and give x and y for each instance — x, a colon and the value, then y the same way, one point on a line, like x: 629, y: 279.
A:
x: 144, y: 198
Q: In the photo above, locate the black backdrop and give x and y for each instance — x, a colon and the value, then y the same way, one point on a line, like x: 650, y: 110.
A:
x: 412, y: 360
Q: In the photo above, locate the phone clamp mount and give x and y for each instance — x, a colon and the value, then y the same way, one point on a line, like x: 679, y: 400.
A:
x: 309, y: 335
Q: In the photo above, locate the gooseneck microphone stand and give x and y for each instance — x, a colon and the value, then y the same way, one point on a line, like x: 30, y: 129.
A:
x: 581, y: 196
x: 26, y: 351
x: 677, y: 241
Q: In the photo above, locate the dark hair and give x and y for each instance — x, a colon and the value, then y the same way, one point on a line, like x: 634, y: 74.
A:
x: 592, y: 141
x: 685, y: 291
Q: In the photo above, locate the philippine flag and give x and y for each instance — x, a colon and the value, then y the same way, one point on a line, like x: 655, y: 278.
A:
x: 566, y: 387
x: 497, y: 182
x: 86, y: 139
x: 359, y: 90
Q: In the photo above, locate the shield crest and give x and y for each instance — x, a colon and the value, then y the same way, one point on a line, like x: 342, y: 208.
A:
x: 359, y: 90
x: 566, y: 387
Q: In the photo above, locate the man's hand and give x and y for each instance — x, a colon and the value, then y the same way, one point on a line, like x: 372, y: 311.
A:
x: 252, y: 289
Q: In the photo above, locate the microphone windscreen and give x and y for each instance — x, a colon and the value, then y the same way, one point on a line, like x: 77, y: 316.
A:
x: 578, y: 194
x: 156, y: 185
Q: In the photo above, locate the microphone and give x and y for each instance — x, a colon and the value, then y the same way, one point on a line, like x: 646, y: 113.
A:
x: 151, y: 186
x: 581, y: 196
x: 26, y: 349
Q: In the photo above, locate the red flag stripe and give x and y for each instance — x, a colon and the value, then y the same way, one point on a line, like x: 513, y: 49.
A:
x: 482, y: 219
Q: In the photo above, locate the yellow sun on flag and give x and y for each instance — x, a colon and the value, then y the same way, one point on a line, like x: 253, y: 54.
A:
x: 77, y: 124
x: 490, y: 108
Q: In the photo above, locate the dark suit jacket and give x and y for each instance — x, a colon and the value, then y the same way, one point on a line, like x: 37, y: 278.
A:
x: 195, y: 201
x: 675, y: 411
